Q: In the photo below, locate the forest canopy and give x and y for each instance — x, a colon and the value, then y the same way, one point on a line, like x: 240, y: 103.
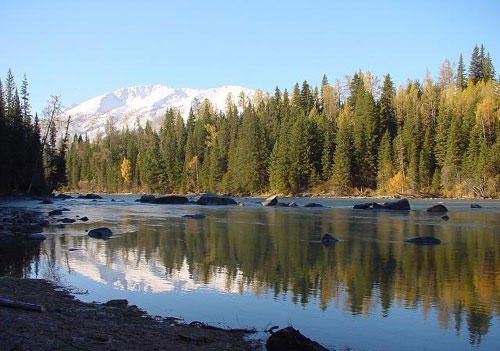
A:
x: 361, y: 136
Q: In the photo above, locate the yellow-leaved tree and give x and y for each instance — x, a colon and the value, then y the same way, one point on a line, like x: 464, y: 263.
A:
x: 125, y: 170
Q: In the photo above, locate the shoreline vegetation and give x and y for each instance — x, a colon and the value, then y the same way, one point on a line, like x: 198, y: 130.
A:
x: 363, y: 136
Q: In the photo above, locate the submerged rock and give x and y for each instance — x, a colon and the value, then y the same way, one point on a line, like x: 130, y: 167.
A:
x: 100, y: 233
x: 84, y: 219
x: 397, y: 205
x: 55, y: 213
x: 425, y: 240
x: 327, y: 240
x: 445, y: 217
x: 270, y: 201
x: 475, y: 206
x: 194, y: 216
x: 215, y: 200
x: 171, y: 200
x: 437, y: 208
x: 312, y: 204
x: 67, y: 220
x: 90, y: 197
x: 290, y: 339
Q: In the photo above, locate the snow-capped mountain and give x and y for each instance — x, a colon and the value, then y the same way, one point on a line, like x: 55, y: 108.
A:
x: 142, y: 103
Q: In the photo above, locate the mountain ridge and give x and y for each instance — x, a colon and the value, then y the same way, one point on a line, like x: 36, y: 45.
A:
x: 141, y: 103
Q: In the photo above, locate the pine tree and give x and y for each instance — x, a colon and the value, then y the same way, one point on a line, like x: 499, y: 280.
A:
x: 343, y: 158
x: 460, y: 81
x: 488, y: 69
x: 385, y: 163
x: 387, y: 113
x: 476, y: 66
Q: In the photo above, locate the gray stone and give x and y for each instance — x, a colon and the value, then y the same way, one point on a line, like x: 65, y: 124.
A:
x: 55, y: 213
x: 100, y: 233
x: 215, y: 200
x: 270, y: 201
x: 437, y: 208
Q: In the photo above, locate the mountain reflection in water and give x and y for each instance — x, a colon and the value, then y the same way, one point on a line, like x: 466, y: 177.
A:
x: 277, y: 253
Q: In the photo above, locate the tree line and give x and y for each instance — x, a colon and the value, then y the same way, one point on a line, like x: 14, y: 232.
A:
x: 363, y: 136
x: 29, y: 162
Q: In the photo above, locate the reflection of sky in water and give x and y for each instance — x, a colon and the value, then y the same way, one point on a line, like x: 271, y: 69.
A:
x: 252, y: 266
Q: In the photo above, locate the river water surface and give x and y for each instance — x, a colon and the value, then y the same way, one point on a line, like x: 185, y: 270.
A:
x: 258, y: 267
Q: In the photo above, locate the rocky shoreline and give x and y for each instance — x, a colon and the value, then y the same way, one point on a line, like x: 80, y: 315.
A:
x: 69, y: 324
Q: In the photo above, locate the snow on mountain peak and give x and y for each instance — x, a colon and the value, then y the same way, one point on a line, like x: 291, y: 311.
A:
x: 142, y: 103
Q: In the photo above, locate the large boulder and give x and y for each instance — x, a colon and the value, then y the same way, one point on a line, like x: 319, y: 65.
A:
x: 90, y: 197
x: 290, y: 339
x: 270, y: 201
x: 171, y: 200
x: 146, y: 198
x: 437, y: 208
x: 215, y: 200
x: 100, y: 233
x: 425, y: 240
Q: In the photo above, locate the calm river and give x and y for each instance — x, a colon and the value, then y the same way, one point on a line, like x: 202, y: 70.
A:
x: 259, y: 267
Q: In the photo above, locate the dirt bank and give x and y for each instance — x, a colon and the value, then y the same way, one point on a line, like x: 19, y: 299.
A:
x: 69, y: 324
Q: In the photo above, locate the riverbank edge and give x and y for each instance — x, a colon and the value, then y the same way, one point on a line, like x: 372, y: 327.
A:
x: 70, y: 324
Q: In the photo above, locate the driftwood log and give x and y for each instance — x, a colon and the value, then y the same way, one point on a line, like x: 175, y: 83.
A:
x: 22, y: 305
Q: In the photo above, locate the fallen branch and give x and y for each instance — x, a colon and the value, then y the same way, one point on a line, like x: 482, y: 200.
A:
x: 22, y: 305
x: 211, y: 327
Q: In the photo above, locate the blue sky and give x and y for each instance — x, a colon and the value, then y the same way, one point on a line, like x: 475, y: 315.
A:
x: 79, y: 49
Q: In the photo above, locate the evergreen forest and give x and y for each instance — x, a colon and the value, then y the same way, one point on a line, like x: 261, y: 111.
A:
x: 361, y: 136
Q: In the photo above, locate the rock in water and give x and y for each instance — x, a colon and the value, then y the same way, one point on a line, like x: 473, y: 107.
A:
x: 63, y: 197
x: 46, y: 202
x: 290, y: 339
x: 445, y: 217
x: 171, y: 200
x: 437, y: 208
x: 475, y: 206
x: 365, y: 206
x: 270, y: 201
x: 67, y: 220
x: 215, y: 200
x: 293, y: 204
x: 398, y: 205
x: 194, y: 216
x: 327, y: 240
x: 312, y: 204
x: 84, y: 219
x: 55, y: 213
x: 146, y: 198
x: 101, y: 233
x: 90, y: 197
x: 425, y: 240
